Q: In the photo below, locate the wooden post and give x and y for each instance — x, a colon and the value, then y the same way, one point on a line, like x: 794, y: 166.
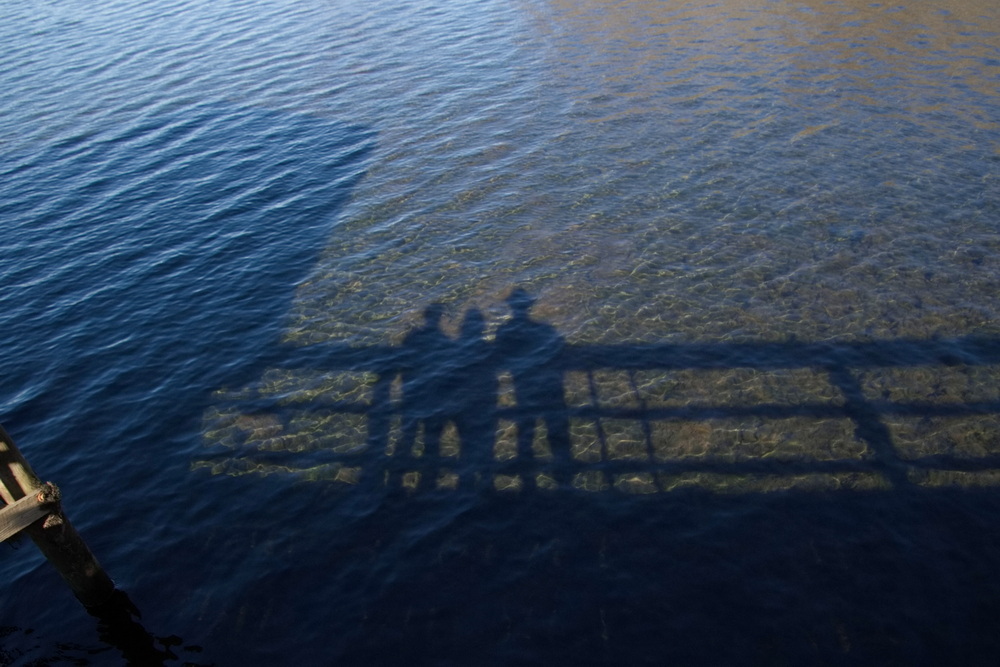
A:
x: 34, y: 508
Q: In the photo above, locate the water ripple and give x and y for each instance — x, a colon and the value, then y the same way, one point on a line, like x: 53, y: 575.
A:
x: 186, y: 185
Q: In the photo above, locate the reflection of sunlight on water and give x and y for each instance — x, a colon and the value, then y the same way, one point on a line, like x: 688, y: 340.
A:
x: 658, y: 172
x: 850, y: 211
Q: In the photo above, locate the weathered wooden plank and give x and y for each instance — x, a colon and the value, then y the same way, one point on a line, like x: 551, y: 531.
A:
x: 18, y: 516
x: 16, y: 476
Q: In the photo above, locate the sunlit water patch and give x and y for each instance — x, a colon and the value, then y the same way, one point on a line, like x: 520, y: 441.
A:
x: 665, y: 172
x: 657, y: 173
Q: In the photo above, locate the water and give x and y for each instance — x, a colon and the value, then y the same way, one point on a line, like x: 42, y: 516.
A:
x: 765, y: 234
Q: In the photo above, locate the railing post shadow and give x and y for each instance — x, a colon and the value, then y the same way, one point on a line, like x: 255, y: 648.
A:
x: 868, y: 425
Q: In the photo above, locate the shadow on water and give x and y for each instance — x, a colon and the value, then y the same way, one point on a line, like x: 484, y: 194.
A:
x: 526, y: 404
x: 124, y: 640
x: 633, y: 551
x: 119, y: 625
x: 685, y: 578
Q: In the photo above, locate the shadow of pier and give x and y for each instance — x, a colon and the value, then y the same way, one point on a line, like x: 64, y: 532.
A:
x: 901, y: 575
x: 640, y: 418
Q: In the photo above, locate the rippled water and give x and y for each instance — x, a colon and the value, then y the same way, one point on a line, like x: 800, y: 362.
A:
x: 765, y: 233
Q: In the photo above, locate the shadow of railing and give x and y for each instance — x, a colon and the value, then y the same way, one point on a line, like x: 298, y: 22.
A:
x: 641, y: 418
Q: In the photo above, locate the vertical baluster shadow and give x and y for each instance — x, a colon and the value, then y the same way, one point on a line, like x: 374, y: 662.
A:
x: 868, y: 426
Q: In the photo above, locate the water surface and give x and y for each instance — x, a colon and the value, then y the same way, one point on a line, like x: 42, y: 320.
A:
x: 765, y: 233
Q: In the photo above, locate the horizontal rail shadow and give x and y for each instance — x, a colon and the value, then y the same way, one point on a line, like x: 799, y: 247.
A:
x: 899, y: 353
x: 837, y: 362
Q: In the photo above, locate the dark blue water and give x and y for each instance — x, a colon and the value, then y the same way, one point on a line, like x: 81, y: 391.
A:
x: 165, y: 274
x: 764, y: 240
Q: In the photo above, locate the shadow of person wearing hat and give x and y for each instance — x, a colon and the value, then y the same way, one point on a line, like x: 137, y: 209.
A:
x: 531, y: 351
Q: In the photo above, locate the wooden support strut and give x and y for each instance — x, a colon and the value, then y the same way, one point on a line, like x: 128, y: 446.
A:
x: 35, y: 509
x: 21, y: 514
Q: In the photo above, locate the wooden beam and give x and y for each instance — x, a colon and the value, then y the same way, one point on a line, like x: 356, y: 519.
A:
x: 18, y: 516
x: 23, y: 494
x: 17, y: 479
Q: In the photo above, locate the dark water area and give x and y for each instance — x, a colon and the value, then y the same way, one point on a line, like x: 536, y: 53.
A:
x: 532, y: 332
x: 164, y: 275
x: 169, y: 253
x: 697, y: 580
x: 694, y: 578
